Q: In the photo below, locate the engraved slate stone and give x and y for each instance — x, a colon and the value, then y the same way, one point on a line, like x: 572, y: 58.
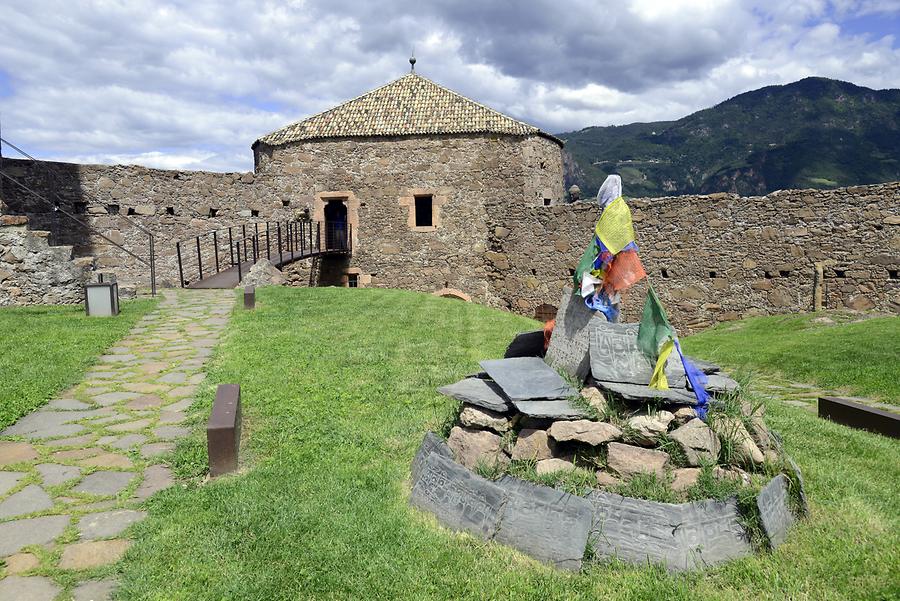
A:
x: 804, y: 503
x: 457, y: 497
x: 527, y: 378
x: 706, y: 367
x: 679, y: 537
x: 558, y: 409
x: 480, y: 392
x: 615, y: 357
x: 774, y: 511
x: 639, y: 392
x: 526, y: 344
x: 569, y: 348
x: 431, y: 443
x: 721, y: 384
x: 547, y: 524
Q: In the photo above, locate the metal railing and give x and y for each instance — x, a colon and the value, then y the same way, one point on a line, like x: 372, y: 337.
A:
x: 57, y: 208
x: 281, y: 242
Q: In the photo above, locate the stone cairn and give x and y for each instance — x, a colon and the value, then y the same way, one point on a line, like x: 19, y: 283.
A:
x: 603, y: 424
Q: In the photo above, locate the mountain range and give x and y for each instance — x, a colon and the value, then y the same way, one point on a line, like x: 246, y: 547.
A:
x: 813, y: 133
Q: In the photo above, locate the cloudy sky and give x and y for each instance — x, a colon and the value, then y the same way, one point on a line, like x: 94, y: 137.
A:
x: 192, y: 84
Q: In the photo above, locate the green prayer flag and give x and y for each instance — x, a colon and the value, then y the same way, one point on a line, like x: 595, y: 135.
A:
x: 586, y: 264
x: 654, y: 329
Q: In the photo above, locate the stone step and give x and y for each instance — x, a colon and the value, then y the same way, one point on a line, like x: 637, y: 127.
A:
x: 13, y: 220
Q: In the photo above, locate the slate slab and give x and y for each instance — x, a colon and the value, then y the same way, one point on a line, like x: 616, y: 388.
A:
x: 156, y: 448
x: 680, y: 537
x: 16, y: 452
x: 92, y: 554
x: 94, y: 590
x: 480, y: 392
x: 8, y: 481
x: 54, y: 474
x: 459, y: 499
x: 35, y: 531
x: 642, y: 393
x: 569, y: 348
x: 67, y: 405
x: 721, y: 384
x: 28, y: 500
x: 774, y: 510
x: 156, y: 478
x: 49, y: 424
x: 804, y: 502
x: 170, y: 432
x: 431, y: 443
x: 527, y: 378
x: 108, y: 524
x: 28, y: 588
x: 128, y: 441
x: 104, y: 483
x: 547, y: 524
x: 526, y: 344
x: 111, y: 398
x: 706, y: 367
x: 556, y: 409
x: 615, y: 357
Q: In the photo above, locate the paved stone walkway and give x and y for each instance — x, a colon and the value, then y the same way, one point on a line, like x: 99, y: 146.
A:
x: 74, y: 474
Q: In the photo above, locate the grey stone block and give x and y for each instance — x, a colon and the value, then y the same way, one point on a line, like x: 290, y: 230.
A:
x: 54, y: 474
x: 459, y: 499
x: 706, y: 367
x: 615, y: 357
x: 35, y: 531
x: 431, y: 443
x: 720, y: 384
x: 8, y: 480
x: 643, y: 393
x: 526, y: 344
x: 549, y: 525
x: 108, y: 524
x: 527, y: 378
x: 569, y: 348
x: 775, y: 510
x: 28, y: 500
x: 28, y: 588
x: 480, y: 392
x: 679, y: 537
x: 104, y: 483
x: 558, y: 409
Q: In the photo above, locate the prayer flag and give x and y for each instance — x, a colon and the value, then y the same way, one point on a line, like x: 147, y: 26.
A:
x: 615, y: 229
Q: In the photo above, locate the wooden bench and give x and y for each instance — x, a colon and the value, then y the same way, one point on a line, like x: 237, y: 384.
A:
x: 223, y: 431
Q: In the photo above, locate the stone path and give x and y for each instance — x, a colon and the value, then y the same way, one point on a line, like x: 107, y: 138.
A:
x: 806, y: 396
x: 74, y: 474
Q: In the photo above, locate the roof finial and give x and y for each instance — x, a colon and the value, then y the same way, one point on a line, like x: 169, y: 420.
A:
x: 412, y: 62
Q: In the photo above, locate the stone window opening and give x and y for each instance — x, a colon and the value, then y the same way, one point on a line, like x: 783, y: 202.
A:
x: 254, y: 212
x: 664, y: 273
x: 712, y: 274
x: 894, y: 274
x: 769, y: 275
x: 352, y: 280
x: 285, y: 203
x: 784, y: 273
x: 170, y: 210
x: 112, y: 209
x: 80, y: 207
x: 213, y: 212
x: 424, y: 209
x: 130, y: 211
x: 840, y: 273
x: 547, y: 202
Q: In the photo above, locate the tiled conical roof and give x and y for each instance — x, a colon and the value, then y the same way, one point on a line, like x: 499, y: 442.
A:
x: 411, y: 105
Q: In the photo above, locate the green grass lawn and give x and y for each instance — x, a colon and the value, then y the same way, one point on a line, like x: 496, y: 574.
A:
x: 338, y: 389
x: 44, y: 350
x: 861, y: 357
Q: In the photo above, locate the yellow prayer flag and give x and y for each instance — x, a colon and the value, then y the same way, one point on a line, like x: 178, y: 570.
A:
x: 614, y: 228
x: 658, y: 379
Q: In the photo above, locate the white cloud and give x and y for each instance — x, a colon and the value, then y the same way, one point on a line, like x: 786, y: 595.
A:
x: 192, y: 84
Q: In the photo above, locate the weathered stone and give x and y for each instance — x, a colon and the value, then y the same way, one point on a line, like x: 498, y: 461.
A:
x: 49, y: 424
x: 156, y: 478
x: 721, y: 384
x: 774, y: 510
x: 558, y: 409
x: 615, y: 357
x: 148, y: 401
x: 92, y: 554
x: 171, y: 432
x: 645, y: 394
x: 156, y: 448
x: 547, y: 524
x: 733, y: 429
x: 586, y: 431
x: 28, y: 588
x: 699, y: 442
x: 569, y: 348
x: 685, y: 478
x: 474, y: 447
x: 28, y: 500
x: 628, y: 460
x: 735, y: 474
x: 67, y: 405
x: 108, y: 524
x: 16, y: 452
x: 174, y: 377
x: 477, y: 417
x: 54, y: 474
x: 111, y: 398
x: 645, y: 429
x: 21, y: 562
x: 132, y: 426
x: 549, y: 466
x: 431, y: 443
x: 605, y: 479
x: 35, y: 531
x: 107, y: 460
x: 263, y: 273
x: 526, y: 344
x: 457, y: 497
x: 527, y: 378
x: 595, y: 399
x: 104, y: 483
x: 8, y: 481
x: 532, y: 445
x: 94, y: 590
x: 679, y: 537
x: 127, y: 441
x: 798, y: 475
x: 684, y: 414
x: 706, y: 367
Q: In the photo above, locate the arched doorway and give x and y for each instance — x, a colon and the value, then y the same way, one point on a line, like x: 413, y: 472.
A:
x: 336, y: 223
